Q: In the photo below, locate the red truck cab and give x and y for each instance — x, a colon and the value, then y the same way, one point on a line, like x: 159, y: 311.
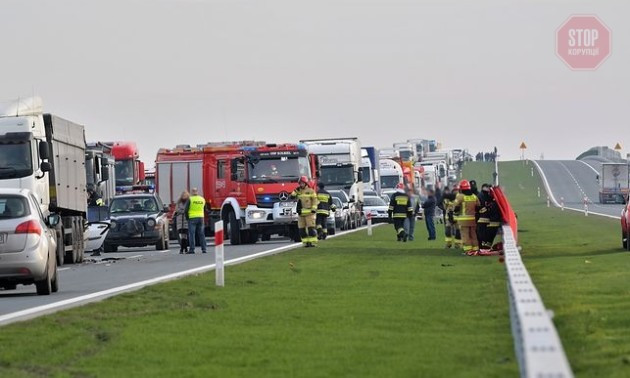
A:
x: 129, y: 170
x: 625, y: 225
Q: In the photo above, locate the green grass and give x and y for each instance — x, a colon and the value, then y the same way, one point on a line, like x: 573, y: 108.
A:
x: 355, y: 306
x: 580, y: 269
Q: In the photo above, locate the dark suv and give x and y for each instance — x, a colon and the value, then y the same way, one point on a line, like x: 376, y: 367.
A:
x: 137, y: 220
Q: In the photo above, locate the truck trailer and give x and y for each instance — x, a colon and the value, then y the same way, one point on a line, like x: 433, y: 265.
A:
x: 46, y: 154
x: 613, y: 183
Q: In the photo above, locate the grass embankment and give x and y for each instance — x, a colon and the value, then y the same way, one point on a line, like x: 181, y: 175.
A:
x: 579, y: 268
x: 355, y: 306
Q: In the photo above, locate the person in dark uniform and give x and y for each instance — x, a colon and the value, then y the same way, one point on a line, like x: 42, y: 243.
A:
x: 400, y: 209
x: 324, y: 208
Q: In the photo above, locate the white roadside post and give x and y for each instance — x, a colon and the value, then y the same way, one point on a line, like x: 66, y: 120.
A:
x: 562, y: 203
x: 548, y: 202
x: 586, y: 206
x: 539, y: 192
x: 369, y: 224
x: 532, y: 172
x: 218, y: 254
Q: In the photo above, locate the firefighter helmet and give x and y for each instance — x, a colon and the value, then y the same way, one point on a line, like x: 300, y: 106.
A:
x: 400, y: 185
x: 464, y: 185
x: 303, y: 179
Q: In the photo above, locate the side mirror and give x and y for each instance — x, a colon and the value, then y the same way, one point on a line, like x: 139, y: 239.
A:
x: 45, y: 166
x: 166, y: 209
x: 346, y: 207
x: 53, y: 220
x: 352, y: 200
x: 104, y: 162
x: 359, y: 176
x: 105, y: 174
x: 43, y: 150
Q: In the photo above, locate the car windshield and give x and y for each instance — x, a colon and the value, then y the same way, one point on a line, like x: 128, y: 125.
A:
x: 15, y: 160
x: 134, y: 204
x: 278, y: 169
x: 337, y: 175
x: 373, y: 201
x: 13, y: 207
x: 389, y: 181
x: 339, y: 194
x: 124, y: 172
x: 337, y: 202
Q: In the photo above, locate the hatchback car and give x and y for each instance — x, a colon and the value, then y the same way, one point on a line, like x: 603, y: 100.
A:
x: 27, y: 243
x: 137, y: 220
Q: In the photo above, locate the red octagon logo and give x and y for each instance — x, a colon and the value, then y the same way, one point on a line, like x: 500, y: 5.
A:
x: 583, y: 42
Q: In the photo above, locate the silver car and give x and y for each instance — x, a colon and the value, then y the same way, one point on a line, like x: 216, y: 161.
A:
x: 27, y: 243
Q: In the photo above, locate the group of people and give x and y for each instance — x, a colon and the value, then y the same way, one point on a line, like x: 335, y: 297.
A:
x: 471, y: 217
x: 189, y: 222
x: 313, y: 208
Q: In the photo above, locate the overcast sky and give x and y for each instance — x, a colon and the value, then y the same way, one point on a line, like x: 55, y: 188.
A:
x: 471, y: 74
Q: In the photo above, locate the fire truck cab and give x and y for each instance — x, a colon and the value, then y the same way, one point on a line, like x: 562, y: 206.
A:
x: 246, y: 184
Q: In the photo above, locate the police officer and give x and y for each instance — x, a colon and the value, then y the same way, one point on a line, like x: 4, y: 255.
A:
x: 307, y: 210
x: 324, y: 208
x: 195, y: 211
x: 400, y: 208
x: 466, y: 205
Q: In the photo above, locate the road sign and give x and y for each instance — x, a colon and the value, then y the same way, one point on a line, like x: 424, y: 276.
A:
x: 583, y: 42
x: 523, y: 146
x: 618, y: 147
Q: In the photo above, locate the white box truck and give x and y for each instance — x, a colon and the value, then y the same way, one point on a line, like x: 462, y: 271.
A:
x: 613, y: 183
x: 46, y: 154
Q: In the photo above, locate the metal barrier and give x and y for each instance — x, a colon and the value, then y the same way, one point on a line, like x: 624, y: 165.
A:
x: 536, y: 341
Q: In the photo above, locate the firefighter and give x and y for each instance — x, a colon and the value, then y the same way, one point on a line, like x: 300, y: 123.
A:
x: 482, y: 215
x: 324, y: 208
x: 493, y: 214
x: 466, y: 205
x: 307, y: 210
x: 446, y: 205
x: 400, y: 208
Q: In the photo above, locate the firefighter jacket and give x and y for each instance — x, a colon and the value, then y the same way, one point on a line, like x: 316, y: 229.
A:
x: 325, y: 202
x: 490, y: 214
x: 306, y: 200
x: 466, y: 208
x: 400, y: 206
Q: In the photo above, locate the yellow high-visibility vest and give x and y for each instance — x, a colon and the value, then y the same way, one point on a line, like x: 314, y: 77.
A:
x: 196, y: 208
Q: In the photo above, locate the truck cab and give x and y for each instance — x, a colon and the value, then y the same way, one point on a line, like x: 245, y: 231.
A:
x: 391, y: 174
x: 129, y: 168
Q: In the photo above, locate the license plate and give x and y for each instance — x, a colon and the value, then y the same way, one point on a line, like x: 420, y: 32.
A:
x: 286, y: 211
x: 287, y: 204
x: 3, y: 238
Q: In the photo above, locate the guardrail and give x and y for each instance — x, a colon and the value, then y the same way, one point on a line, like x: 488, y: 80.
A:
x: 536, y: 342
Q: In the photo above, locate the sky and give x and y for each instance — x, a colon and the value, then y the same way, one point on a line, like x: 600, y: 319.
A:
x: 470, y: 74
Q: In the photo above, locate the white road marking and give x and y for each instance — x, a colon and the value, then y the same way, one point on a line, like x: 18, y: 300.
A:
x: 100, y: 295
x: 62, y: 269
x: 590, y: 166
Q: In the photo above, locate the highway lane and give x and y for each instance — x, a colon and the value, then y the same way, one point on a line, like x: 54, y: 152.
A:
x: 574, y: 180
x: 128, y: 266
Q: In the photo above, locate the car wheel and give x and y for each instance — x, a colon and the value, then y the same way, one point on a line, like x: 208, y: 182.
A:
x: 265, y: 237
x: 60, y: 245
x: 44, y: 287
x: 110, y: 247
x: 55, y: 282
x: 235, y: 229
x: 159, y: 246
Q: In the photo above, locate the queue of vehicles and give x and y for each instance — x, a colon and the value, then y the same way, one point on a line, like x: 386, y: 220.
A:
x: 94, y: 196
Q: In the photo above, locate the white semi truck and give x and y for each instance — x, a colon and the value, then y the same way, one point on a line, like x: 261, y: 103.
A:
x: 340, y: 167
x: 613, y: 183
x: 46, y: 154
x: 391, y: 174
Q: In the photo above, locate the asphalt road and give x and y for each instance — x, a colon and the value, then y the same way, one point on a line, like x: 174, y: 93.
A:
x: 573, y: 181
x: 115, y: 270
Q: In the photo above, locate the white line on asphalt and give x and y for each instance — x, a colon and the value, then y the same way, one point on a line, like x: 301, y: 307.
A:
x: 62, y: 269
x: 100, y: 295
x: 553, y: 199
x: 590, y: 166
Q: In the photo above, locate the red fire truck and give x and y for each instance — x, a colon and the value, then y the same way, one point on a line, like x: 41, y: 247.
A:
x: 129, y: 168
x: 247, y: 184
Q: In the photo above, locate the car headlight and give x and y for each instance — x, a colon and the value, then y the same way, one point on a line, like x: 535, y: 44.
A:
x: 113, y: 224
x: 151, y: 222
x: 255, y: 214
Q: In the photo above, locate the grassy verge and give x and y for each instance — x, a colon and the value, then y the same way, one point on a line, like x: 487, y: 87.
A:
x: 580, y: 270
x: 355, y: 306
